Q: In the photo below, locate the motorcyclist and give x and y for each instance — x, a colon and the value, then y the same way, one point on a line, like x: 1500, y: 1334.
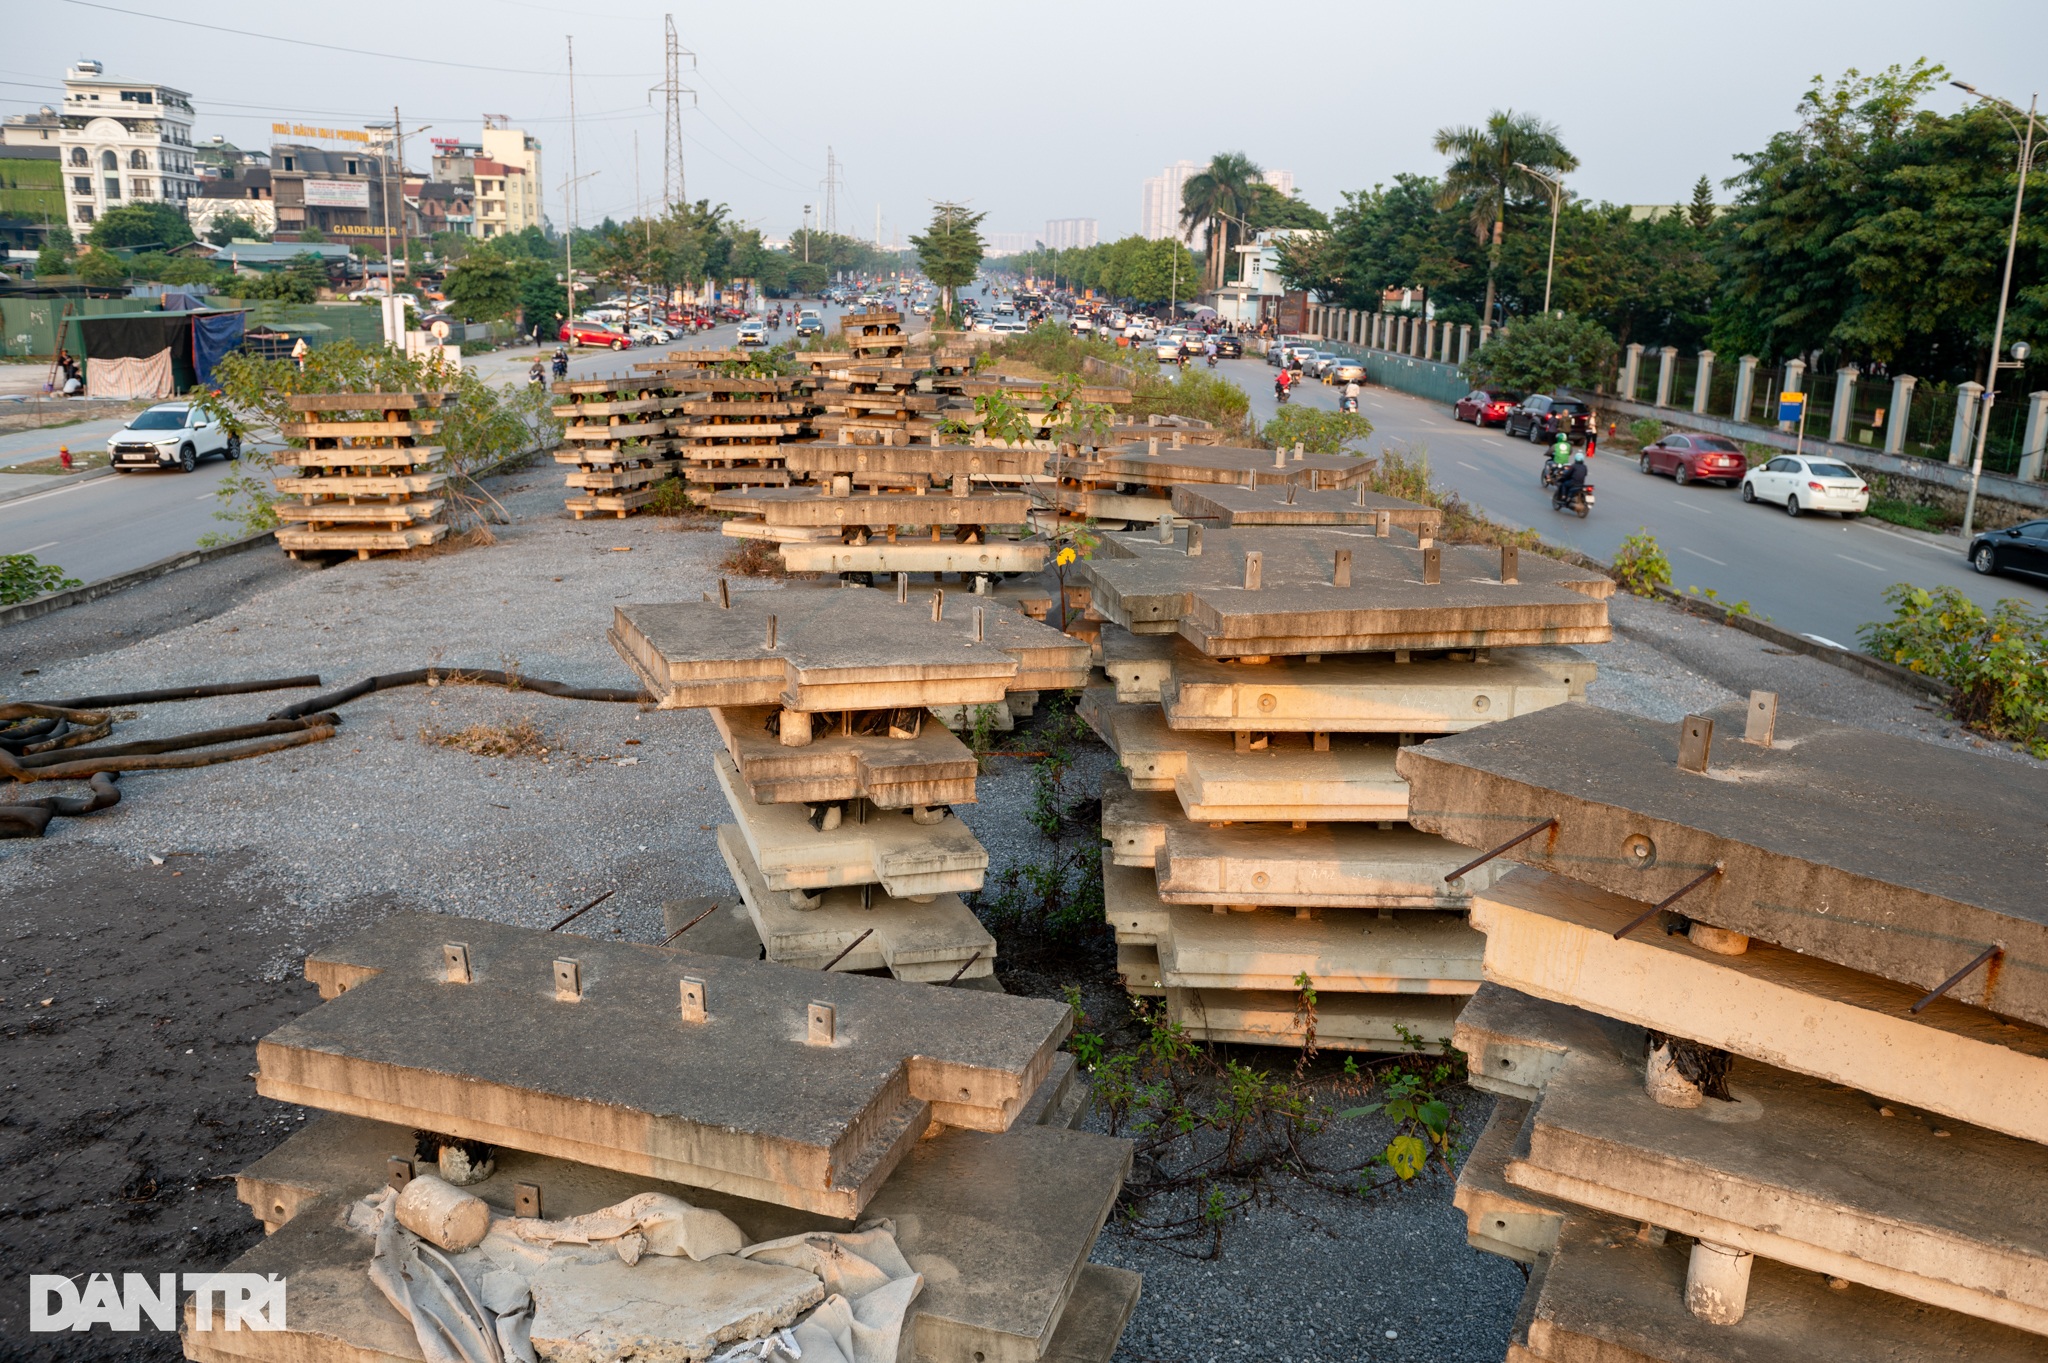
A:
x: 539, y: 373
x: 1282, y: 382
x: 1570, y: 485
x: 561, y: 363
x: 1561, y: 450
x: 1351, y: 395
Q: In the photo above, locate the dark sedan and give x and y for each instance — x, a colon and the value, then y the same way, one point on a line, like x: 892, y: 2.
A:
x: 2022, y: 548
x: 1486, y: 406
x: 1696, y: 458
x: 1229, y: 348
x: 1540, y: 419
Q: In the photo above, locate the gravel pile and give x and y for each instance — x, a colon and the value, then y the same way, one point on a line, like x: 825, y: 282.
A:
x: 382, y: 817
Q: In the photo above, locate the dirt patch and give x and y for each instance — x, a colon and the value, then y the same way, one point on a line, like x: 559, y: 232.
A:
x: 131, y: 997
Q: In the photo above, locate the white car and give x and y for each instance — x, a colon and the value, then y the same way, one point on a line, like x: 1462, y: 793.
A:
x: 646, y: 333
x: 1802, y: 483
x: 753, y: 333
x: 1010, y: 326
x: 169, y: 435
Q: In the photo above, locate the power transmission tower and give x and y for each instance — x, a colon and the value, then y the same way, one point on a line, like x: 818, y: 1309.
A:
x: 831, y: 191
x: 672, y: 91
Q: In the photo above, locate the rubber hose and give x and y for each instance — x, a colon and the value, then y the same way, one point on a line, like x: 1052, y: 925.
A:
x: 452, y: 676
x: 187, y: 692
x: 177, y: 742
x: 29, y: 818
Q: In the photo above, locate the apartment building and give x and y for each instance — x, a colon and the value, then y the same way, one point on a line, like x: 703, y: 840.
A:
x: 122, y: 142
x: 507, y: 178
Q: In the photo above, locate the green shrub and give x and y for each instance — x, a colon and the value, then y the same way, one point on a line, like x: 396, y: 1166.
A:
x: 1317, y: 432
x: 23, y: 578
x: 1640, y: 565
x: 1646, y: 430
x: 1996, y: 664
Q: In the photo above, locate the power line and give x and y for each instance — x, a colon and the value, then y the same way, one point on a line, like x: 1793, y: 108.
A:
x: 331, y: 47
x: 672, y: 91
x: 831, y: 190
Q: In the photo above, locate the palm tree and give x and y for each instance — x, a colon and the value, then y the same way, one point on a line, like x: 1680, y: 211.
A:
x: 1220, y: 197
x: 1483, y: 174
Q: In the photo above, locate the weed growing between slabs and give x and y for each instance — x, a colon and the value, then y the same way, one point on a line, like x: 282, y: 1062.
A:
x: 1054, y: 900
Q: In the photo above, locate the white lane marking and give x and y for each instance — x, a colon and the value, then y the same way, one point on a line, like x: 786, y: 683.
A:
x: 1823, y: 639
x: 1474, y: 467
x: 204, y: 497
x: 38, y: 548
x: 1697, y: 554
x: 1861, y: 564
x: 58, y: 492
x: 1941, y: 549
x: 1690, y: 507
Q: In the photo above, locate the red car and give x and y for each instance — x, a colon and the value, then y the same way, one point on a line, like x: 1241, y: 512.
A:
x: 590, y: 333
x: 1696, y: 458
x: 1485, y: 406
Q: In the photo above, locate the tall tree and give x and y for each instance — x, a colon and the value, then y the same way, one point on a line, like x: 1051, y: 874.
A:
x: 141, y: 225
x: 1485, y: 175
x: 1699, y: 214
x: 950, y: 250
x: 1220, y: 197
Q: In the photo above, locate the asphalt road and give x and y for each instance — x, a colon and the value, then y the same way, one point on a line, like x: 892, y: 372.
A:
x: 1818, y: 575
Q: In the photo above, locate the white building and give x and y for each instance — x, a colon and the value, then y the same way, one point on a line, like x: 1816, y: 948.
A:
x: 1159, y: 208
x: 1282, y: 180
x: 1067, y: 234
x: 508, y: 183
x: 123, y: 142
x: 1255, y: 294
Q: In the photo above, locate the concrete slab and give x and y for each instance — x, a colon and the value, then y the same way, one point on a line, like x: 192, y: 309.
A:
x: 503, y: 1059
x: 1806, y: 1173
x: 1513, y: 1043
x: 1342, y: 951
x: 1135, y: 465
x: 885, y: 847
x: 1137, y: 965
x: 1226, y: 506
x: 1339, y: 866
x: 1608, y: 1297
x: 680, y: 1310
x: 1499, y: 1217
x: 1344, y: 1022
x: 1001, y: 1227
x: 1133, y: 907
x: 1093, y: 1323
x: 1553, y: 938
x: 919, y: 556
x: 847, y: 650
x: 934, y: 942
x: 815, y: 506
x: 1351, y: 694
x: 840, y: 762
x: 1836, y: 842
x: 1354, y: 780
x: 910, y: 465
x: 1134, y: 822
x: 1138, y: 665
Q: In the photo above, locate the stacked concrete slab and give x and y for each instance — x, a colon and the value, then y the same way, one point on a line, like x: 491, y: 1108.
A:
x: 730, y: 426
x: 830, y: 529
x: 1764, y: 1004
x: 366, y: 483
x: 595, y: 1072
x: 615, y: 442
x: 1133, y: 484
x: 1261, y: 686
x: 843, y: 843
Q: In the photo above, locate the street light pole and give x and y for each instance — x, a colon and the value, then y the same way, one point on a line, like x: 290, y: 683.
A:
x: 1556, y: 187
x: 2004, y: 289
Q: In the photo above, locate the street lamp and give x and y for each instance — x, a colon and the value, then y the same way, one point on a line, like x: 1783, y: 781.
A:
x: 2019, y: 351
x: 1556, y: 186
x: 569, y: 276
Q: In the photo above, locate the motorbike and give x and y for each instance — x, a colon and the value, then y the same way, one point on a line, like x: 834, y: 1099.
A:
x: 1280, y: 392
x: 1211, y: 357
x: 1579, y: 502
x: 1348, y: 405
x: 561, y: 364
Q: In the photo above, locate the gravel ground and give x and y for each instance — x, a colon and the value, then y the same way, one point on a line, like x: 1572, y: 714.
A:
x: 302, y: 845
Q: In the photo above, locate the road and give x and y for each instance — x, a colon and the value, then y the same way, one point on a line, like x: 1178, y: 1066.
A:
x: 1818, y: 575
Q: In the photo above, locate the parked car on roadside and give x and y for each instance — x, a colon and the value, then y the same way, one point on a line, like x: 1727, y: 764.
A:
x: 1277, y: 352
x: 170, y: 435
x: 646, y: 333
x: 2021, y: 548
x: 1344, y: 370
x: 1696, y: 458
x: 1486, y: 406
x: 1802, y: 483
x: 592, y: 334
x: 1540, y: 417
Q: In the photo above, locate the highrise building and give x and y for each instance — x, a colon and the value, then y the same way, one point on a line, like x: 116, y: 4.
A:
x: 1159, y: 210
x: 1067, y: 234
x: 123, y: 142
x: 508, y: 183
x: 1282, y: 180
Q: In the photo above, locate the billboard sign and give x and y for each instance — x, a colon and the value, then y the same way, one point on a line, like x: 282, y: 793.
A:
x: 338, y: 194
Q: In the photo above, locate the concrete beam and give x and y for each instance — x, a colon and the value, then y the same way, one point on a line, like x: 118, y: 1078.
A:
x: 1225, y: 506
x: 1344, y: 1022
x: 931, y: 767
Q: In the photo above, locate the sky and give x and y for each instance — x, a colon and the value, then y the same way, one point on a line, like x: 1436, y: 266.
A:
x: 1053, y: 109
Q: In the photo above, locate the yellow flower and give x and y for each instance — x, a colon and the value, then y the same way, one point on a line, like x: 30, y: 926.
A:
x: 1065, y: 557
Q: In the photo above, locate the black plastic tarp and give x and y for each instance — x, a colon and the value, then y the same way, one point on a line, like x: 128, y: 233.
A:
x: 214, y: 334
x: 138, y: 335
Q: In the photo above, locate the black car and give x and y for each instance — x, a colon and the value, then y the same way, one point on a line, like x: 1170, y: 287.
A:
x: 2022, y: 548
x: 1229, y: 348
x: 1540, y: 418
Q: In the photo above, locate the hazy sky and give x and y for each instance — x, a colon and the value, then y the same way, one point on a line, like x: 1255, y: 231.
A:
x: 1035, y: 111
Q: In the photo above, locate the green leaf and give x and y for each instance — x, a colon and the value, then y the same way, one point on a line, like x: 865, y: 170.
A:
x: 1406, y: 1156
